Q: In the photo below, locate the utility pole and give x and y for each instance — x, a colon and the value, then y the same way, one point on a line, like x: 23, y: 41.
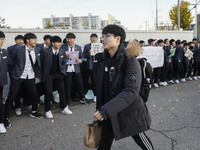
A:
x: 146, y: 24
x: 195, y: 27
x: 178, y: 15
x: 156, y: 15
x: 195, y: 30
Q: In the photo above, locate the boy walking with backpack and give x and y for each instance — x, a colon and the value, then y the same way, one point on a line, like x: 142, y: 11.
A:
x: 120, y: 108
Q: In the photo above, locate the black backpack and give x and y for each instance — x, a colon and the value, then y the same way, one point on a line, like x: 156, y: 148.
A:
x: 146, y: 78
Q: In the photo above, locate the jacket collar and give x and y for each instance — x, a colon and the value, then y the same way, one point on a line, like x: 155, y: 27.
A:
x: 119, y: 54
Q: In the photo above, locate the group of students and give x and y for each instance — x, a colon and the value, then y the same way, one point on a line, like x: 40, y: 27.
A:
x: 115, y: 76
x: 178, y: 67
x: 39, y: 69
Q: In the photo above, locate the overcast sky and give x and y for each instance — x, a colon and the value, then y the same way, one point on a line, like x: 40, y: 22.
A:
x: 131, y: 13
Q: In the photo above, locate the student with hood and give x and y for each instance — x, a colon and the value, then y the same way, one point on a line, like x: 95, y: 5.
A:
x: 120, y: 109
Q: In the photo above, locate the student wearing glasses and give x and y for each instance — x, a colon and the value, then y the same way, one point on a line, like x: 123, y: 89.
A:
x: 120, y: 109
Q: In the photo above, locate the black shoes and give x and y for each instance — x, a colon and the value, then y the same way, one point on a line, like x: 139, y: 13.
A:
x: 36, y: 115
x: 7, y: 123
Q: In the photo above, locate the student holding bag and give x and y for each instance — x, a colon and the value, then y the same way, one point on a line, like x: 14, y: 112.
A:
x: 120, y: 109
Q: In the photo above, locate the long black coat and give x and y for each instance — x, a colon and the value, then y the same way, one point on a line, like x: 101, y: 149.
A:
x: 196, y: 54
x: 126, y: 109
x: 3, y: 66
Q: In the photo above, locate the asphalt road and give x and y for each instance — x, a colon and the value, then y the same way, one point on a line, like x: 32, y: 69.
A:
x: 175, y: 112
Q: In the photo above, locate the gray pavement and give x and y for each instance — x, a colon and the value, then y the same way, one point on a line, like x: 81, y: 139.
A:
x: 175, y: 112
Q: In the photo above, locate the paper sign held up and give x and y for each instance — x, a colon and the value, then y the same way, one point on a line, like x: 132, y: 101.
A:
x: 189, y: 54
x: 154, y: 55
x: 71, y: 57
x: 96, y: 48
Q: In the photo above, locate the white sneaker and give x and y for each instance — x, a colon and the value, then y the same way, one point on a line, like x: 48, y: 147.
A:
x: 66, y: 111
x: 183, y: 80
x: 18, y: 111
x: 49, y: 114
x: 195, y: 78
x: 177, y: 81
x: 155, y: 85
x: 166, y: 83
x: 198, y: 77
x: 162, y: 83
x: 95, y: 99
x: 189, y: 79
x: 2, y: 128
x: 171, y: 81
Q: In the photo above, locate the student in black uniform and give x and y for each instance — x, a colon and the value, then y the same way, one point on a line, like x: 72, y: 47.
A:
x: 46, y: 43
x: 26, y: 66
x: 156, y: 71
x: 19, y: 40
x: 163, y: 74
x: 53, y: 72
x: 91, y: 65
x: 3, y: 79
x: 196, y: 51
x: 170, y: 61
x: 73, y: 70
x: 186, y: 63
x: 177, y: 63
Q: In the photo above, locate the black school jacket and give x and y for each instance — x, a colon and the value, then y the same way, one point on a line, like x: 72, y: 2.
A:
x: 126, y: 109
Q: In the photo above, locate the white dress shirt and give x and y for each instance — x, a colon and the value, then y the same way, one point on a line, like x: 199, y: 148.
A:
x: 70, y: 68
x: 28, y: 70
x: 53, y: 51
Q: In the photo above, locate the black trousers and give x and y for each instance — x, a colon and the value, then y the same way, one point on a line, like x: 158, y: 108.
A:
x: 169, y: 71
x: 21, y: 94
x: 156, y: 74
x: 190, y: 68
x: 77, y: 78
x: 178, y: 69
x: 1, y: 105
x: 196, y: 68
x: 187, y: 68
x: 92, y: 74
x: 29, y: 88
x: 164, y: 69
x: 107, y: 138
x: 57, y: 81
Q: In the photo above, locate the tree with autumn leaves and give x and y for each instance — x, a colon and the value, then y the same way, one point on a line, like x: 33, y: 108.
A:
x: 186, y: 17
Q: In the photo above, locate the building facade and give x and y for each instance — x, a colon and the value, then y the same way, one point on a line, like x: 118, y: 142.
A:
x: 89, y: 22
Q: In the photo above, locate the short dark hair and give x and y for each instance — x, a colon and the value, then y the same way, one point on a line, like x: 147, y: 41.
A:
x: 190, y: 43
x: 64, y: 41
x: 151, y: 40
x: 165, y: 40
x: 141, y: 41
x: 71, y: 35
x: 160, y: 41
x: 29, y: 36
x: 55, y: 39
x: 21, y: 37
x: 178, y: 42
x: 93, y: 35
x: 47, y: 37
x: 126, y: 43
x: 184, y: 41
x: 194, y: 39
x: 2, y: 35
x: 171, y: 41
x: 116, y: 30
x: 186, y: 44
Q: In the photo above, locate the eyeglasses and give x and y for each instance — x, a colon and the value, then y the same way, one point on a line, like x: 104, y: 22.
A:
x: 105, y: 36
